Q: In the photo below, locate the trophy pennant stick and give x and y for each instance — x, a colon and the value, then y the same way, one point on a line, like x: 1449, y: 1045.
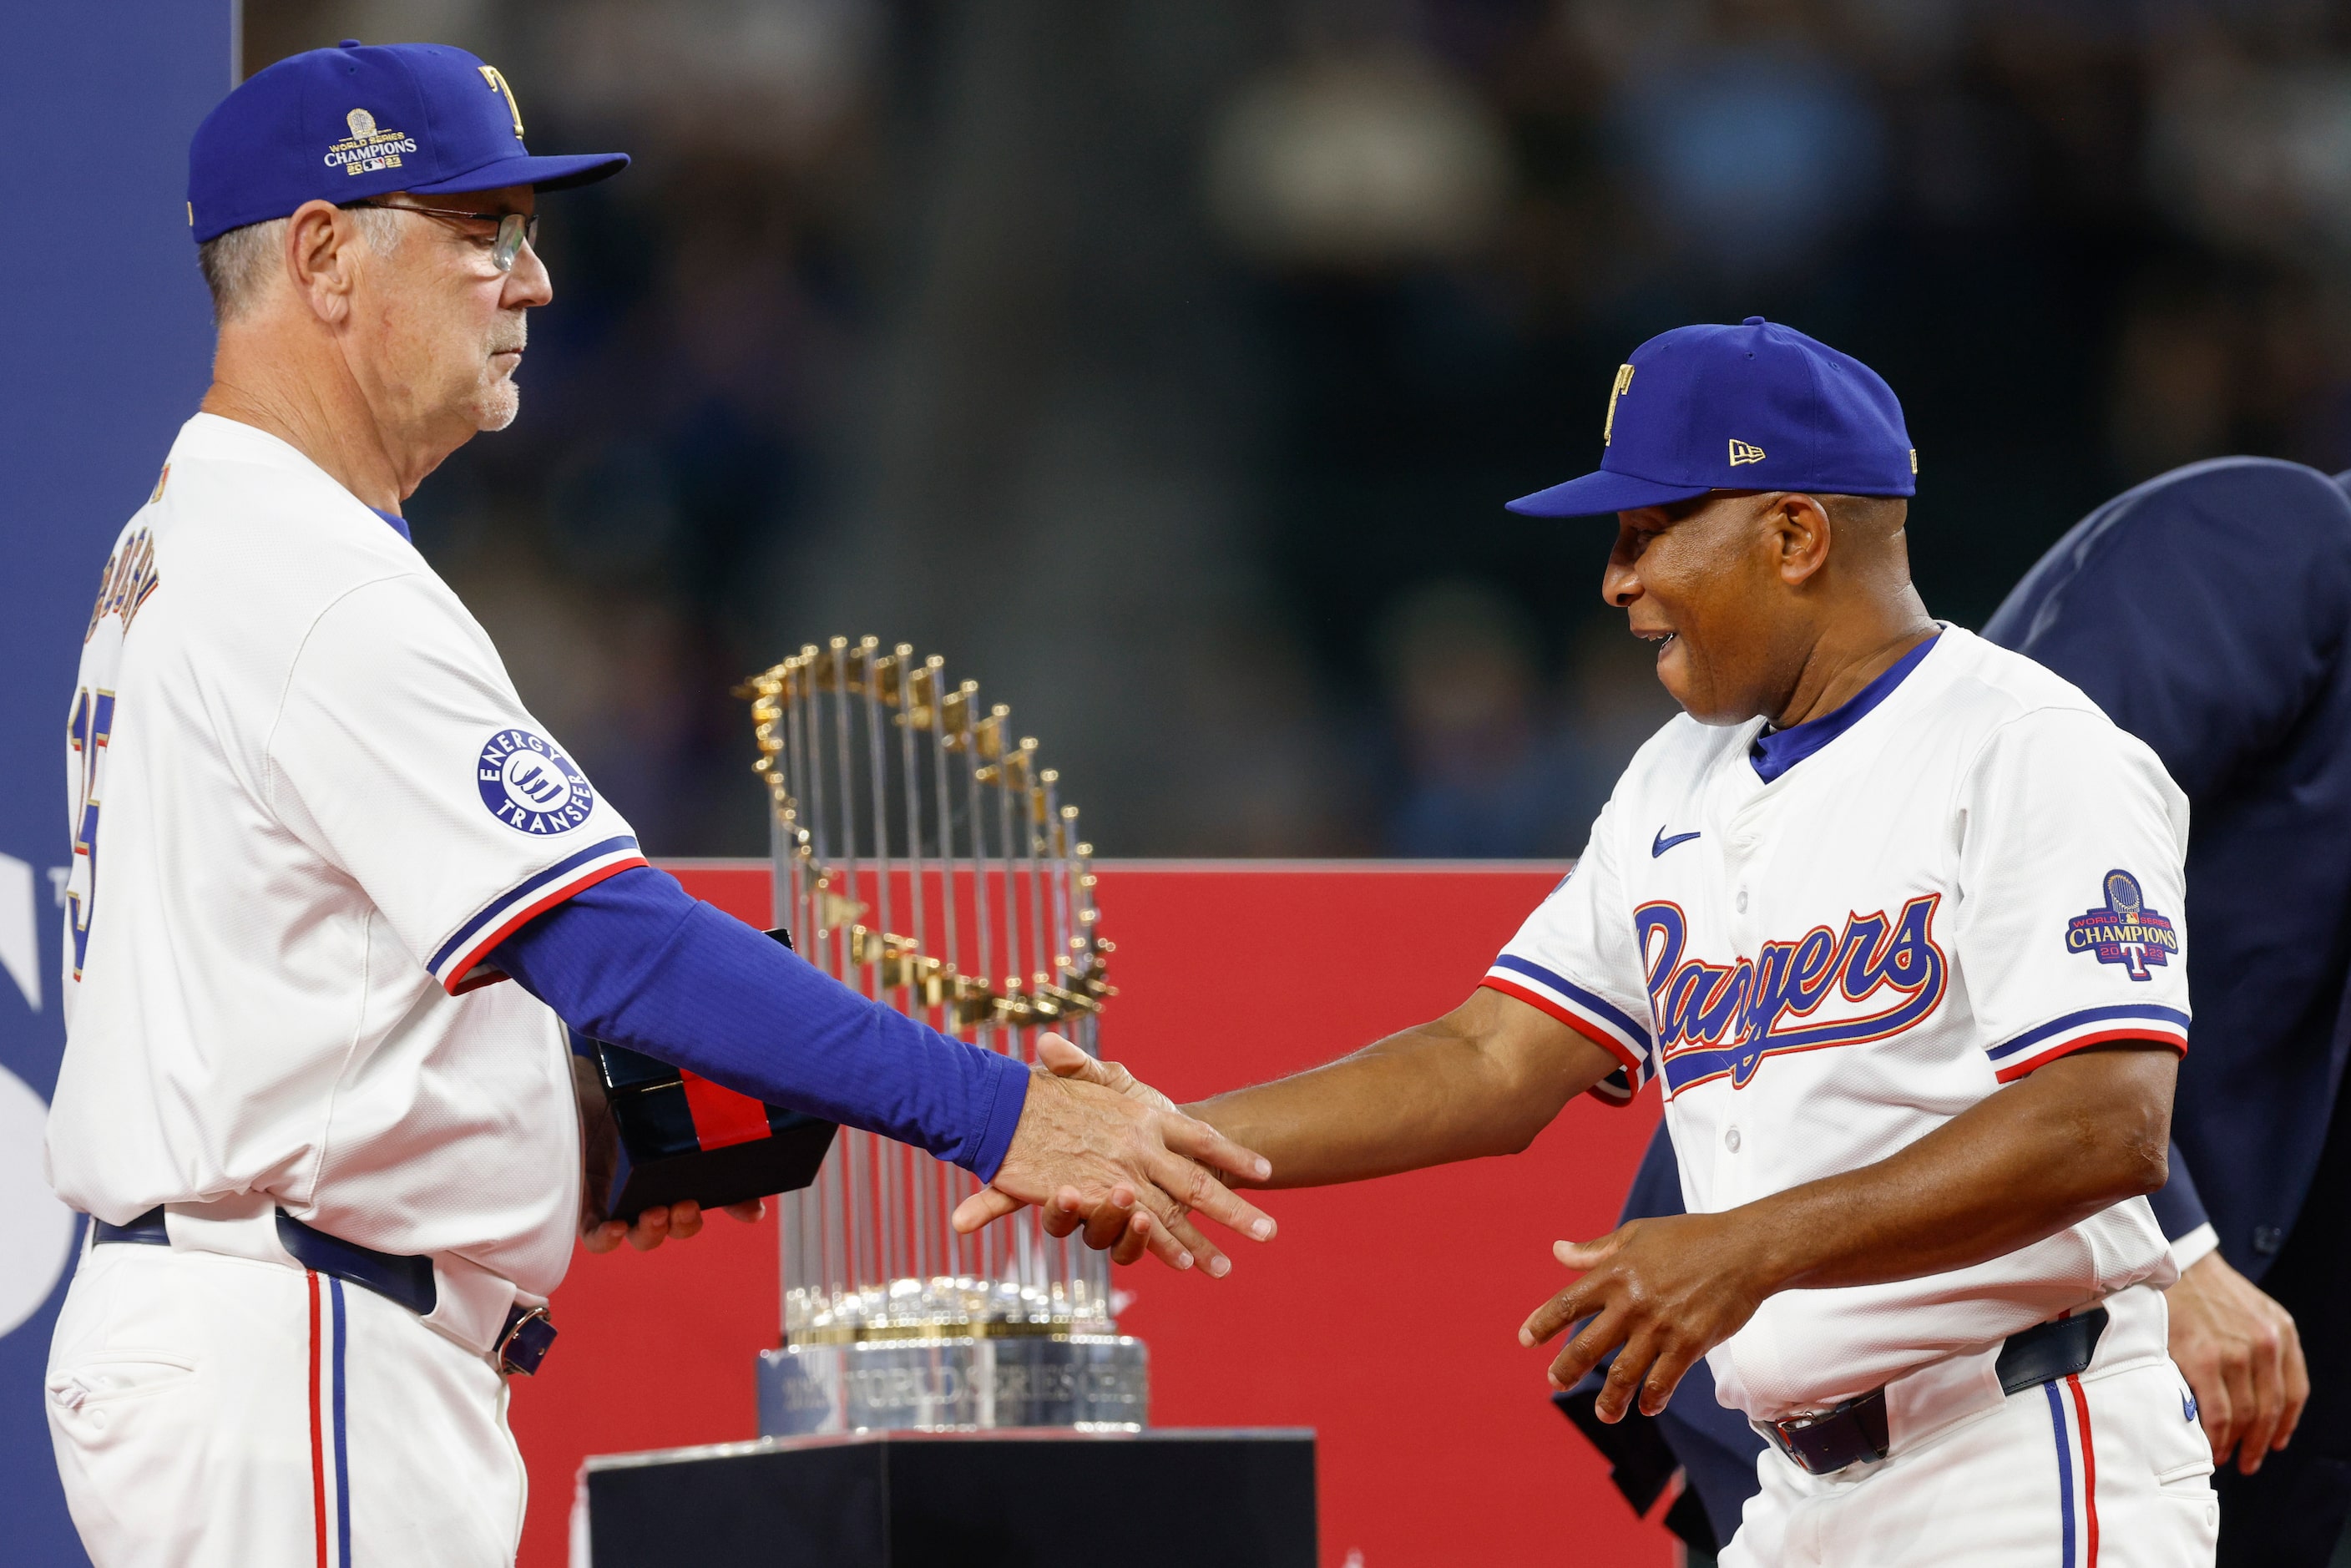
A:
x: 934, y: 696
x: 895, y: 1242
x: 920, y: 1177
x: 975, y: 743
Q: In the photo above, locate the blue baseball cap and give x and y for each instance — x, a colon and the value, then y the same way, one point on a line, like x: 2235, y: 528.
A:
x: 1751, y: 407
x: 335, y: 125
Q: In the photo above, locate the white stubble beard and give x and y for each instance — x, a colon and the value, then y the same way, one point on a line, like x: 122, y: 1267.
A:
x: 501, y: 396
x: 501, y: 402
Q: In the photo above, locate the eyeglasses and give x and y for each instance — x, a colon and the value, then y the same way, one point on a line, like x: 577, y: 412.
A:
x: 516, y: 230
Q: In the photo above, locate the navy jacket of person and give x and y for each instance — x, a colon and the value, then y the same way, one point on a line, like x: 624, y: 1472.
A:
x: 2209, y: 612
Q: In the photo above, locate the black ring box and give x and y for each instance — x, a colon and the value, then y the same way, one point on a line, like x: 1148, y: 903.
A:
x: 664, y: 1158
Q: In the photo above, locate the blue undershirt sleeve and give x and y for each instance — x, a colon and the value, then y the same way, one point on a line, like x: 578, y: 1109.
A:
x: 2178, y: 1207
x: 636, y: 962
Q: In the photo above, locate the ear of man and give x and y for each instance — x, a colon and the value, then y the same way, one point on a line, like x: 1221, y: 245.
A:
x: 323, y: 257
x: 1800, y: 534
x: 244, y: 267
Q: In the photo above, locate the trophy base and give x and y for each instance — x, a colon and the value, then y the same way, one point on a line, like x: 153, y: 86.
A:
x: 1089, y: 1382
x: 956, y: 1500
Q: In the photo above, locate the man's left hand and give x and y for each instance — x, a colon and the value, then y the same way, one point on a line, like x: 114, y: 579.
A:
x: 1667, y: 1290
x: 2242, y: 1358
x: 659, y: 1223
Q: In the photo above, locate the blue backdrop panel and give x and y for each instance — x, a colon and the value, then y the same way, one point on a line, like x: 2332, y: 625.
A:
x: 105, y: 339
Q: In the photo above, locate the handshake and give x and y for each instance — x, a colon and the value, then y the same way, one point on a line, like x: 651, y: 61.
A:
x: 1103, y: 1154
x: 1095, y: 1149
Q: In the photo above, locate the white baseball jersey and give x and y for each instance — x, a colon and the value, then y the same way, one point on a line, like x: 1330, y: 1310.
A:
x: 306, y: 801
x: 1964, y: 873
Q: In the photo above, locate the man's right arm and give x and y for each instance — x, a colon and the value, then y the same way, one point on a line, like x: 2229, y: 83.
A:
x: 1555, y: 1015
x: 1488, y: 1076
x: 1482, y: 1080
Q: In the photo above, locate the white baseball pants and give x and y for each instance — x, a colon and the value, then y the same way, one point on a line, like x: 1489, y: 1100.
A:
x: 218, y: 1412
x: 2108, y: 1469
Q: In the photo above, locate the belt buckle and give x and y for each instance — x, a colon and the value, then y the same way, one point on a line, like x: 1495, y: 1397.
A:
x: 1865, y: 1439
x: 1788, y: 1435
x: 529, y: 1334
x: 1812, y: 1419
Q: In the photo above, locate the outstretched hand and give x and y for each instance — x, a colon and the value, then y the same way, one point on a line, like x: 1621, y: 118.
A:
x: 1099, y: 1149
x: 1668, y: 1290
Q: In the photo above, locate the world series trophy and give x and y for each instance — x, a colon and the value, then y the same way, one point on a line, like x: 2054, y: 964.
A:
x: 924, y: 857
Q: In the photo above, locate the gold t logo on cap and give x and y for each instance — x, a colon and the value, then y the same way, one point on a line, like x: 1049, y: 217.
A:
x: 1741, y: 452
x: 1624, y: 384
x: 497, y: 78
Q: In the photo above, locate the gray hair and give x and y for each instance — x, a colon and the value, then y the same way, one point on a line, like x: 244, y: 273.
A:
x: 237, y: 264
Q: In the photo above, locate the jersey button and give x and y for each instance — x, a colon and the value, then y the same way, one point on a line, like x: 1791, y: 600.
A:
x: 1740, y: 902
x: 1731, y: 1140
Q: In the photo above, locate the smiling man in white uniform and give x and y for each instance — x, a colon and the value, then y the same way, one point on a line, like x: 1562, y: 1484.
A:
x: 1890, y: 917
x: 336, y: 893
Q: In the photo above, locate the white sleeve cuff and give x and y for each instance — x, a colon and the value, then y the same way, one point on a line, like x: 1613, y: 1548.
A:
x: 2194, y: 1247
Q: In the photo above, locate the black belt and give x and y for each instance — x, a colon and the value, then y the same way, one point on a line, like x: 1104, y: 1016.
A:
x: 522, y: 1344
x: 1855, y: 1431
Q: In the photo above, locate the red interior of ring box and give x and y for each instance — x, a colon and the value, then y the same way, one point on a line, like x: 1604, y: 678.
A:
x: 1384, y: 1315
x: 721, y: 1116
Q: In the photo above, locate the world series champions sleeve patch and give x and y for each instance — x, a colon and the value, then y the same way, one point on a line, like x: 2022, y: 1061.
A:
x: 530, y: 786
x: 2124, y: 931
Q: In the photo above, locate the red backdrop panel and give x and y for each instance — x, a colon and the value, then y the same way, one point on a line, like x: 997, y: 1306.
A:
x: 1384, y: 1316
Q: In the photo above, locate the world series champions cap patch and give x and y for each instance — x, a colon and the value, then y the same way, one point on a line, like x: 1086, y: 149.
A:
x: 530, y: 786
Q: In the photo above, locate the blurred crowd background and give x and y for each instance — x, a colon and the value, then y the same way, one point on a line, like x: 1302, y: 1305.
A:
x: 1166, y: 366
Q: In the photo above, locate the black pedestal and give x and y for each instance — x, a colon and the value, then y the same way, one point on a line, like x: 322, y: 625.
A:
x: 1172, y: 1499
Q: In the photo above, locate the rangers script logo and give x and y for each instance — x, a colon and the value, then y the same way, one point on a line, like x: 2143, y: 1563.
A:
x: 1722, y: 1019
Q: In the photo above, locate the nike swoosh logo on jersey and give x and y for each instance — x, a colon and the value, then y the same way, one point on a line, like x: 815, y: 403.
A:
x: 1661, y: 843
